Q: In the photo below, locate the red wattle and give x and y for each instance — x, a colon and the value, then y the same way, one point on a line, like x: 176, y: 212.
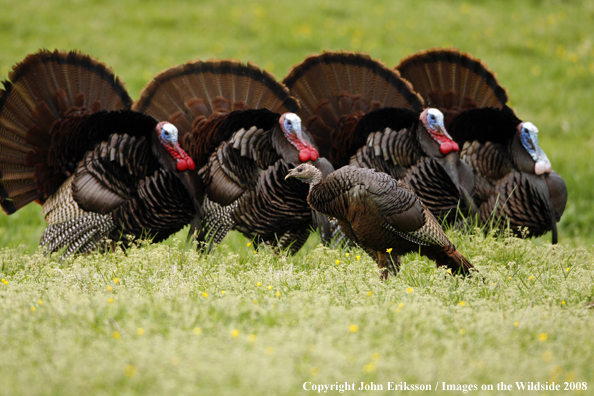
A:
x: 182, y: 165
x: 446, y: 147
x: 304, y: 155
x: 191, y: 165
x: 313, y: 155
x: 455, y: 146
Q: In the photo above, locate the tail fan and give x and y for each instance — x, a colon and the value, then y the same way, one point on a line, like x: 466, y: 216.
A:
x: 44, y: 91
x: 452, y: 81
x: 196, y: 90
x: 338, y: 88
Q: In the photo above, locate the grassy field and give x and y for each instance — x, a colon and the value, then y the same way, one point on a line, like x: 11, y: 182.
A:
x: 157, y: 322
x: 162, y: 320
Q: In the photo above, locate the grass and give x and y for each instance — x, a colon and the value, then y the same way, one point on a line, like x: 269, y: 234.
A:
x: 161, y: 320
x: 542, y: 52
x: 331, y: 323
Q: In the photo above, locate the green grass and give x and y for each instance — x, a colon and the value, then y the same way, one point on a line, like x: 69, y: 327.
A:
x: 161, y: 320
x: 542, y: 52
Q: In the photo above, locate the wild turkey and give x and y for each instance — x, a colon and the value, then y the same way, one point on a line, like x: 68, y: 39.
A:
x: 380, y: 214
x: 363, y: 114
x: 514, y: 182
x: 69, y: 141
x: 238, y: 126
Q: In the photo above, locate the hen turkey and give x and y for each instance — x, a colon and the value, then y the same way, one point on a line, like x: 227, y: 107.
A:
x: 381, y: 215
x: 514, y: 183
x: 363, y: 114
x: 239, y: 127
x: 69, y: 141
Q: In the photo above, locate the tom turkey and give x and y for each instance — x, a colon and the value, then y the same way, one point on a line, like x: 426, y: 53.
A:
x: 69, y: 142
x: 381, y: 215
x: 514, y: 182
x: 238, y: 125
x: 363, y: 114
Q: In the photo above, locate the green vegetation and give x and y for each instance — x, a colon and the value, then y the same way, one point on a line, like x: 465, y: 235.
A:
x: 159, y: 320
x: 542, y: 52
x: 330, y: 322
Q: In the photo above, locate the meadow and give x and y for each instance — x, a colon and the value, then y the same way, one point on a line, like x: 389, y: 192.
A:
x: 166, y: 319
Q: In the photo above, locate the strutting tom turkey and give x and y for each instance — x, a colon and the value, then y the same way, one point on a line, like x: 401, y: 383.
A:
x: 363, y: 114
x: 239, y: 126
x: 381, y: 215
x: 514, y: 182
x: 69, y: 141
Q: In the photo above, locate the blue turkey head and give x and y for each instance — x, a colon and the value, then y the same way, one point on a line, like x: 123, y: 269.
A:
x: 529, y: 136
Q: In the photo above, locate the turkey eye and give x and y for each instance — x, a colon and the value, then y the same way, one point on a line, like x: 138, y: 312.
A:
x: 166, y: 133
x: 299, y: 170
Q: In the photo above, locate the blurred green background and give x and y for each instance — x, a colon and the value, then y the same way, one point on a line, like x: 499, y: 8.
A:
x: 541, y: 51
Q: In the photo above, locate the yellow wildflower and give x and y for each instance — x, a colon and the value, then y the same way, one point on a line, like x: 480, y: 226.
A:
x: 223, y: 292
x: 353, y: 328
x: 517, y: 324
x: 337, y: 262
x: 542, y: 337
x: 116, y: 334
x: 563, y: 302
x: 462, y: 331
x: 252, y: 338
x: 370, y: 293
x: 269, y: 351
x: 4, y: 281
x: 278, y: 294
x: 400, y: 305
x: 235, y: 333
x: 462, y: 303
x: 314, y: 371
x: 346, y: 255
x: 409, y: 290
x: 358, y: 257
x: 249, y: 244
x: 40, y: 302
x: 140, y: 331
x: 116, y: 280
x: 33, y: 308
x: 389, y: 250
x: 547, y: 356
x: 130, y: 370
x: 258, y: 284
x: 109, y: 288
x: 110, y: 300
x: 205, y: 295
x: 197, y: 330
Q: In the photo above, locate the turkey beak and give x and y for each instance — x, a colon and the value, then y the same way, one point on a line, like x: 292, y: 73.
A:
x: 290, y: 174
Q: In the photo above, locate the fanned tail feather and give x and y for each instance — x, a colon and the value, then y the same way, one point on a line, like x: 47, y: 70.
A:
x: 452, y: 81
x: 201, y: 89
x: 45, y: 90
x: 337, y: 88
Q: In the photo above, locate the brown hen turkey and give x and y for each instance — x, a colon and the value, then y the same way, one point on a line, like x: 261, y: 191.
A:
x: 381, y: 215
x: 363, y: 114
x: 69, y: 141
x: 514, y: 183
x: 238, y: 126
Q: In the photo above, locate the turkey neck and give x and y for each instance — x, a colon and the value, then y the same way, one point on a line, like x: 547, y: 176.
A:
x: 190, y: 179
x: 521, y: 158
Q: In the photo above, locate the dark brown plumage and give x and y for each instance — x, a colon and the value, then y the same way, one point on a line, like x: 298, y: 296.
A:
x: 514, y: 183
x: 363, y: 114
x: 238, y: 127
x: 381, y: 215
x: 69, y: 142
